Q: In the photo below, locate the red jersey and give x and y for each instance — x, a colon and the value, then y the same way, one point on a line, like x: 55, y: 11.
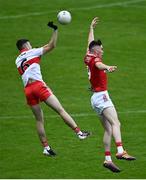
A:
x: 97, y: 77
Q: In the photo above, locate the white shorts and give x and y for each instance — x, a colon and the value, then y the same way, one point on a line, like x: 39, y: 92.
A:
x: 100, y: 101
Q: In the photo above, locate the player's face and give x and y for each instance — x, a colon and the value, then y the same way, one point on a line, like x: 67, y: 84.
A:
x: 98, y: 50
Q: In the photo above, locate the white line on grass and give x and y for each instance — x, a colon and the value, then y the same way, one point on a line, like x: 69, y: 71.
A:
x: 110, y: 5
x: 73, y: 115
x: 81, y: 8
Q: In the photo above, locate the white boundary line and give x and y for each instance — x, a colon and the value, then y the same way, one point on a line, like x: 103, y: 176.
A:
x: 110, y: 5
x: 73, y: 115
x: 82, y: 8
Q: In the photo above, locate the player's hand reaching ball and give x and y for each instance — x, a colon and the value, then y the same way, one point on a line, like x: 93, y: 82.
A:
x: 94, y: 22
x: 51, y: 25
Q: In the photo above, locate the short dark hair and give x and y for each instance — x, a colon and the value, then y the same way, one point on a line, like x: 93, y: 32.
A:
x: 20, y: 43
x: 95, y: 43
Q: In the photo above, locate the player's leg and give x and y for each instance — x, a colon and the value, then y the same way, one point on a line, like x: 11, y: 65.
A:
x: 111, y: 115
x: 107, y: 133
x: 107, y: 145
x: 54, y: 103
x: 38, y: 113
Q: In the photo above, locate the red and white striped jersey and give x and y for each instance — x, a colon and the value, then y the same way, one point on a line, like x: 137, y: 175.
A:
x: 28, y: 64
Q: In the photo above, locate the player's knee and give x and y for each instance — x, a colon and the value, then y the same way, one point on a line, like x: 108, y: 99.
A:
x: 116, y: 123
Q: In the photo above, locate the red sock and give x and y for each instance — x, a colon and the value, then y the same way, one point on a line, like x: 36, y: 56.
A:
x: 77, y: 129
x: 108, y: 156
x: 107, y: 153
x: 119, y: 144
x: 45, y: 143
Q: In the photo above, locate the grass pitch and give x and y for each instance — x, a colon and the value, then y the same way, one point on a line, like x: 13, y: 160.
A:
x: 122, y: 30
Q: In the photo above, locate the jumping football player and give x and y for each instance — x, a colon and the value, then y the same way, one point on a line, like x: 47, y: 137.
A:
x: 28, y: 65
x: 100, y: 99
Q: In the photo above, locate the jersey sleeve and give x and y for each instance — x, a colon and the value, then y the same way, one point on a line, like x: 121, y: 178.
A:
x: 97, y: 59
x: 86, y: 59
x: 38, y: 51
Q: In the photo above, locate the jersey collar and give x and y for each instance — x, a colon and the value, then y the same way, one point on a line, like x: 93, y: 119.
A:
x: 91, y: 54
x: 23, y: 50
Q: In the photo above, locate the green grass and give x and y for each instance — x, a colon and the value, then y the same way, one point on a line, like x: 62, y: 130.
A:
x: 122, y: 30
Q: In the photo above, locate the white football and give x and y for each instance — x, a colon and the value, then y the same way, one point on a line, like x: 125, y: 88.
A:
x: 64, y: 17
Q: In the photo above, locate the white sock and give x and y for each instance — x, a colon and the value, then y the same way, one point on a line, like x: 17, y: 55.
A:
x: 108, y: 158
x: 47, y: 147
x: 80, y: 133
x: 120, y: 149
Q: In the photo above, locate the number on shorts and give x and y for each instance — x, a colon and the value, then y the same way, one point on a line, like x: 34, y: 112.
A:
x: 105, y: 98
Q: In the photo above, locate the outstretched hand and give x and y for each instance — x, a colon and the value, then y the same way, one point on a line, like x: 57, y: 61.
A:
x: 94, y: 22
x: 111, y: 68
x: 51, y: 25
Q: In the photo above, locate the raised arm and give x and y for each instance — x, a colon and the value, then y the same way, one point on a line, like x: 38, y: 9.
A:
x: 52, y: 43
x: 91, y: 31
x: 108, y: 68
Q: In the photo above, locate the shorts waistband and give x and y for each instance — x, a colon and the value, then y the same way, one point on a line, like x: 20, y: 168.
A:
x: 99, y: 92
x: 31, y: 82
